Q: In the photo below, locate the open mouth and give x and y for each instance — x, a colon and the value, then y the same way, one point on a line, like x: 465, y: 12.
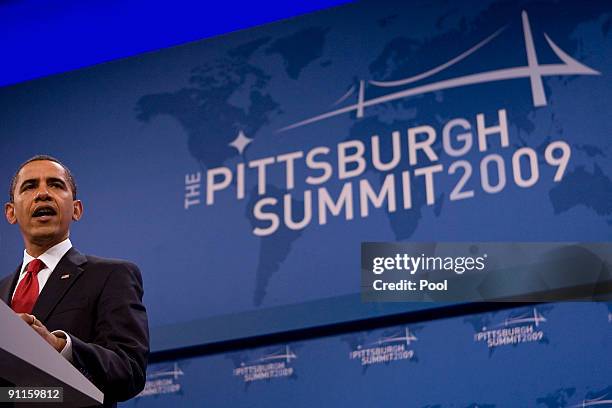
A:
x: 44, y: 212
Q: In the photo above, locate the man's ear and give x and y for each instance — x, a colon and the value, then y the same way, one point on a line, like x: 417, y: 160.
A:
x: 9, y: 212
x: 77, y: 210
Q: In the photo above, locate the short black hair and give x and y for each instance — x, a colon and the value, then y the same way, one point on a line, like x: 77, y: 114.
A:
x: 40, y: 157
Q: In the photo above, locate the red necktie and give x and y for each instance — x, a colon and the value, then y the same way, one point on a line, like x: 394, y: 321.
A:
x: 27, y: 291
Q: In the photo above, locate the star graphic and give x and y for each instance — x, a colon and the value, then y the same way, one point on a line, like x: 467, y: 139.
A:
x: 240, y: 142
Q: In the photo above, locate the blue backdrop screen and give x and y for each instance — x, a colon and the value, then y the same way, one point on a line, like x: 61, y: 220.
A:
x: 241, y: 173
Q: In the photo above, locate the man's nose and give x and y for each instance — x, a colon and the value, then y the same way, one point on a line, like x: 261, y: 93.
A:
x: 42, y: 194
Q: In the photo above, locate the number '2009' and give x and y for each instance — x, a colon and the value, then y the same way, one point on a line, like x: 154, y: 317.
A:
x: 493, y: 169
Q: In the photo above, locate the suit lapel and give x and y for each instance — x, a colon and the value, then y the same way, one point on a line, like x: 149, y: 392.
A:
x: 63, y: 277
x: 7, y: 287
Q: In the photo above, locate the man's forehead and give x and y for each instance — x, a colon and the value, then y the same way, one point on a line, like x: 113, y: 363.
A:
x: 41, y: 169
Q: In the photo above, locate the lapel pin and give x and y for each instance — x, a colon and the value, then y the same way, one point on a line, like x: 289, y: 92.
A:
x: 64, y: 276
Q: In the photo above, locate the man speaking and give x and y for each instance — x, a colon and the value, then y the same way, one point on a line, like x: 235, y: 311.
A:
x: 88, y: 308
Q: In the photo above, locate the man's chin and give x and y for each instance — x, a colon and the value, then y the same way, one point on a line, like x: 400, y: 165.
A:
x: 44, y: 236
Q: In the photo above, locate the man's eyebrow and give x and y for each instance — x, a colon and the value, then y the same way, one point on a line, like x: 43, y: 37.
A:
x: 55, y: 180
x: 28, y: 181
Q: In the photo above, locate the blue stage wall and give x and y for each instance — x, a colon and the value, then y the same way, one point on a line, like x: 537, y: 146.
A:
x: 545, y: 356
x: 189, y: 158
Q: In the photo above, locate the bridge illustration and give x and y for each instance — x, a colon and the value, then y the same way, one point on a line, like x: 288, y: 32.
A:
x: 530, y: 317
x: 533, y: 70
x: 283, y: 355
x: 175, y: 371
x: 595, y: 401
x: 407, y: 337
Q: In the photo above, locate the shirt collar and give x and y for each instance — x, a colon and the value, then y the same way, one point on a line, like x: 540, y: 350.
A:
x: 51, y: 257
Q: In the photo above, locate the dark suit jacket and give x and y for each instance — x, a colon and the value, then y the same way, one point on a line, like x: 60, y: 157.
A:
x: 100, y: 306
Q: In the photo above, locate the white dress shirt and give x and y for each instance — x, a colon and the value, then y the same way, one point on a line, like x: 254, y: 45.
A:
x: 50, y: 258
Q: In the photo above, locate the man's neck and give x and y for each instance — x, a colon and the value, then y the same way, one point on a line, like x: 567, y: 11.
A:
x: 36, y: 249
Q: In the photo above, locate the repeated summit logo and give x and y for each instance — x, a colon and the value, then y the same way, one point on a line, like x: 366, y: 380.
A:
x: 162, y: 379
x: 386, y: 349
x: 513, y: 330
x: 268, y: 366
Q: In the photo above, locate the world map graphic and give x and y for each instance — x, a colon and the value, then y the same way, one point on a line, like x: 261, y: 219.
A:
x: 238, y: 92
